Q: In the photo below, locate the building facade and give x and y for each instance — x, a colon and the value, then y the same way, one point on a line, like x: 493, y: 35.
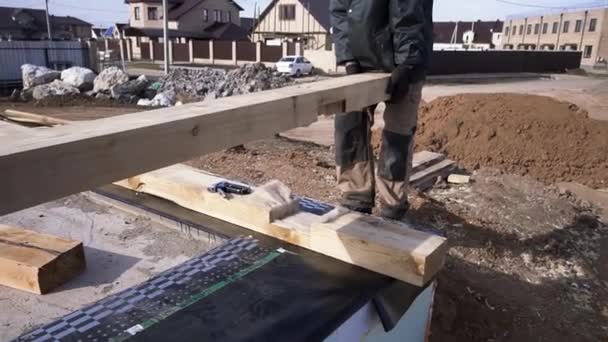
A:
x: 582, y: 30
x: 295, y: 20
x: 184, y: 15
x: 188, y: 19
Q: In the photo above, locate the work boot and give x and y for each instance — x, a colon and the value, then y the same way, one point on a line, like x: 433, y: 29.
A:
x: 394, y: 213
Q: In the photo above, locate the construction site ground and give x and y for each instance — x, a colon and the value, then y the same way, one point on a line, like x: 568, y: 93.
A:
x: 528, y: 259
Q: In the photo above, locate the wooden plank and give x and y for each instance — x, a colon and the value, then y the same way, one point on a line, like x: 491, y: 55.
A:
x: 426, y: 178
x: 424, y: 159
x: 386, y: 247
x: 36, y: 262
x: 31, y: 118
x: 83, y: 155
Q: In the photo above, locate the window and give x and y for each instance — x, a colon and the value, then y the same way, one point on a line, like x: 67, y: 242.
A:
x: 152, y: 13
x: 555, y: 27
x: 536, y: 28
x: 514, y: 30
x: 217, y: 15
x: 545, y: 28
x: 578, y: 26
x: 229, y: 17
x: 137, y: 13
x: 506, y: 31
x: 529, y: 31
x: 521, y: 29
x: 205, y: 15
x: 566, y: 26
x: 287, y: 12
x: 138, y: 41
x: 592, y: 25
x: 588, y: 51
x: 299, y: 60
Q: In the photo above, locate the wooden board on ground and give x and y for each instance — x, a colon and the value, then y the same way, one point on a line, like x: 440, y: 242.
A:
x: 31, y: 118
x: 36, y: 262
x: 84, y: 155
x: 386, y: 247
x: 426, y: 177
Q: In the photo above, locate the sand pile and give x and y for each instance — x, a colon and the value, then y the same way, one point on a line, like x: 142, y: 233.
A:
x: 539, y: 136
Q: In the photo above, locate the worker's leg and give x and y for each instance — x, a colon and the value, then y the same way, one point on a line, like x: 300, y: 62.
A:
x: 396, y: 155
x: 354, y: 159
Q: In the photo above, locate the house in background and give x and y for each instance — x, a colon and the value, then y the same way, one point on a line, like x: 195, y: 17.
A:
x: 583, y: 30
x: 30, y: 24
x: 476, y: 35
x: 188, y: 19
x: 304, y: 21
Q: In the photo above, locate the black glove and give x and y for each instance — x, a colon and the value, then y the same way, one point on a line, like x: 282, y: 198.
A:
x: 353, y: 68
x: 399, y: 84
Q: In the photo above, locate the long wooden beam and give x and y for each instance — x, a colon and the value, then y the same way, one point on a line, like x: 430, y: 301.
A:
x: 82, y: 155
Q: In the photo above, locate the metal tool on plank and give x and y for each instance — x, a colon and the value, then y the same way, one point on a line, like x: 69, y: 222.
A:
x: 225, y: 188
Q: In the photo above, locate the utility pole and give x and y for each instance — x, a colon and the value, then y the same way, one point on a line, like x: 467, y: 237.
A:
x: 48, y: 20
x: 166, y: 34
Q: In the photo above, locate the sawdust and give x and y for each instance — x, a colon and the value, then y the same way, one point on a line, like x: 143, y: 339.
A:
x: 532, y: 135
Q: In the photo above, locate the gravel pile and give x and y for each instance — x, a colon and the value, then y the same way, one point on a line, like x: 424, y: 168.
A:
x: 250, y: 78
x: 215, y: 83
x: 192, y: 83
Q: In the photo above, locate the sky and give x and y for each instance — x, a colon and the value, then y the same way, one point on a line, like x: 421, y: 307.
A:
x: 106, y: 12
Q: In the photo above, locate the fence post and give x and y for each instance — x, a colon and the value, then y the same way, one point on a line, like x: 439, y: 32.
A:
x: 191, y: 50
x: 129, y: 45
x: 258, y: 52
x: 284, y: 47
x: 234, y: 60
x: 151, y: 42
x: 211, y: 56
x: 170, y: 42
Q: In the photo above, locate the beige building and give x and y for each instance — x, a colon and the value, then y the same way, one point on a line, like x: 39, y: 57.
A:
x: 188, y: 19
x: 295, y: 20
x: 582, y: 30
x: 184, y: 15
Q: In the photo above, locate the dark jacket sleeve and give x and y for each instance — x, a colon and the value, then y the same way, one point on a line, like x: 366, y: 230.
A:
x: 338, y: 10
x: 410, y: 22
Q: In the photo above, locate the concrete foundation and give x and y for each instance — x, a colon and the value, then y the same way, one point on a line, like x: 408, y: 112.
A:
x: 121, y: 249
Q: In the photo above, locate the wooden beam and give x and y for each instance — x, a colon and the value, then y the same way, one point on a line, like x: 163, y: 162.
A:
x: 82, y: 155
x: 36, y: 262
x: 31, y: 118
x: 386, y: 247
x: 8, y: 129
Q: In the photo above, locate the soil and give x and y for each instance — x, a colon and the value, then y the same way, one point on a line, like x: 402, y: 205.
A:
x: 549, y: 140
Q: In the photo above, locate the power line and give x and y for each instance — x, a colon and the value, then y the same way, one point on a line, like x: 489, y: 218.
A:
x: 598, y: 3
x: 59, y: 4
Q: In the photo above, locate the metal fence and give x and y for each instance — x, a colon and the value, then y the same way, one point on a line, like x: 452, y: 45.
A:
x: 55, y: 55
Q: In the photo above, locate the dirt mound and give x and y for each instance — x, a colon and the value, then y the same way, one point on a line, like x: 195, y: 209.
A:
x: 532, y: 135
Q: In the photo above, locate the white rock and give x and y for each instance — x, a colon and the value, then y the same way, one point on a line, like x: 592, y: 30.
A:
x: 56, y: 88
x: 109, y: 78
x: 37, y: 75
x: 144, y: 103
x: 166, y: 99
x: 81, y: 78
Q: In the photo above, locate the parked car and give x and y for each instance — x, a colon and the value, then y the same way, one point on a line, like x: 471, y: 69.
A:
x: 294, y: 66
